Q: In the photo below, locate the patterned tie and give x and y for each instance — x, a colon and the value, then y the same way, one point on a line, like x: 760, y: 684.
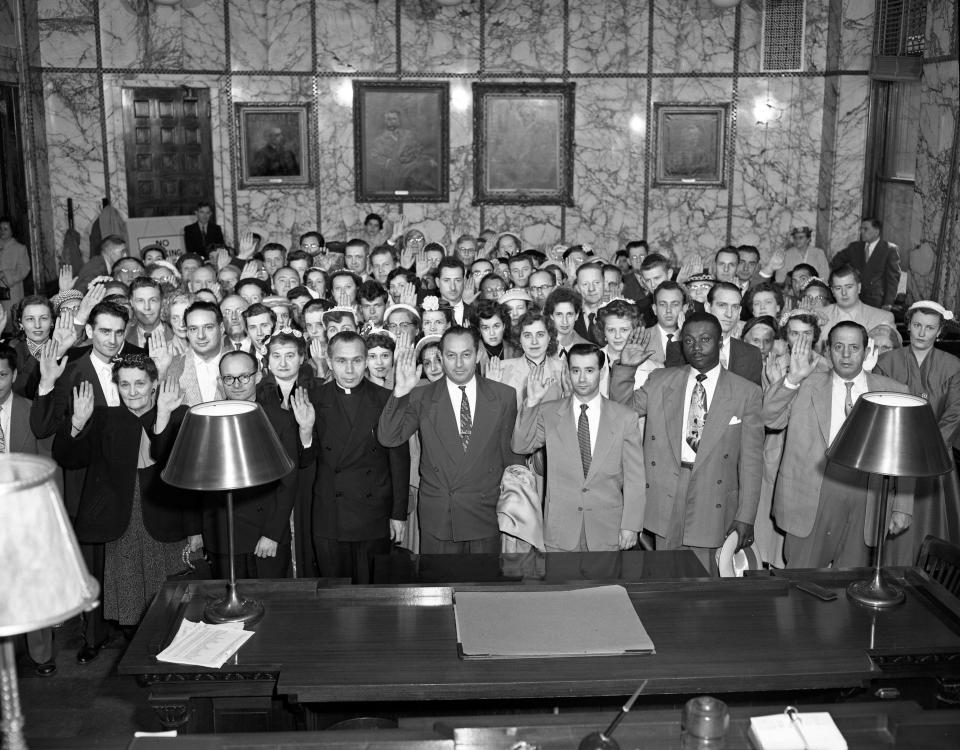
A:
x: 848, y: 403
x: 698, y: 413
x: 583, y: 437
x: 3, y: 438
x: 466, y: 424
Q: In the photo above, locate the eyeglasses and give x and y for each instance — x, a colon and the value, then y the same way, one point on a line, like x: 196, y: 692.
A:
x: 542, y: 289
x: 229, y: 380
x: 400, y: 327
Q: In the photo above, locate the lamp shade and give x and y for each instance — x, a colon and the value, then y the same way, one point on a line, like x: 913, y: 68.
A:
x: 226, y: 445
x: 893, y: 434
x: 44, y: 578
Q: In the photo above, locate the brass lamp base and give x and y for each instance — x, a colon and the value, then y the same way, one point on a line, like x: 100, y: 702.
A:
x: 876, y: 592
x: 233, y: 609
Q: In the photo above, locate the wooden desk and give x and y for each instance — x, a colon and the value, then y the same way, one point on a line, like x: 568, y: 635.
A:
x: 353, y: 645
x: 557, y: 567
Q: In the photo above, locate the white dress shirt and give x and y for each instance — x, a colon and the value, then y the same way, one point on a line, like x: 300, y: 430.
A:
x: 456, y: 396
x: 725, y: 352
x: 688, y: 454
x: 104, y: 372
x: 458, y: 313
x: 838, y: 398
x: 207, y: 373
x: 5, y: 409
x: 869, y: 248
x: 593, y: 417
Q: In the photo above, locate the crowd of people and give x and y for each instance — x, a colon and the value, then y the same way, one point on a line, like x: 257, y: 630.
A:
x: 648, y: 402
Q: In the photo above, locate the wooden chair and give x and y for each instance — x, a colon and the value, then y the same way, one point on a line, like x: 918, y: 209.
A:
x: 941, y: 561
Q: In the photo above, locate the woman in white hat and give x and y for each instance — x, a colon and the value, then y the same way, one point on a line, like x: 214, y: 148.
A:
x: 934, y: 375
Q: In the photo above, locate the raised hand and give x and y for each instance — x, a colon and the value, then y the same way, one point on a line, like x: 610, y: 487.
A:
x: 169, y: 396
x: 405, y: 372
x: 470, y: 291
x: 303, y: 410
x: 161, y: 352
x: 637, y: 349
x: 251, y: 270
x: 407, y: 257
x: 50, y: 367
x: 82, y: 405
x: 495, y: 369
x: 538, y: 384
x: 870, y: 360
x: 247, y: 246
x: 802, y: 361
x: 3, y: 319
x: 408, y: 295
x: 93, y: 297
x: 342, y: 298
x: 64, y: 332
x: 222, y: 257
x: 773, y: 366
x: 66, y: 279
x: 690, y: 266
x: 398, y: 227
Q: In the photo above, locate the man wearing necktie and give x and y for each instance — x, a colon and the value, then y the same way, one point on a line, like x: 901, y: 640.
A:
x: 595, y: 477
x: 703, y: 442
x: 825, y: 509
x: 465, y: 423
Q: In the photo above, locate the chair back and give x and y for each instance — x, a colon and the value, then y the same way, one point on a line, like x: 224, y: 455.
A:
x: 941, y: 561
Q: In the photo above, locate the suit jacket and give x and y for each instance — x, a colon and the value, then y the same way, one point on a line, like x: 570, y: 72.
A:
x: 94, y: 267
x: 361, y: 484
x: 581, y: 327
x: 517, y: 370
x: 656, y: 343
x: 458, y: 490
x: 611, y: 497
x: 109, y: 447
x: 194, y: 242
x: 21, y: 438
x: 745, y: 360
x: 725, y: 482
x: 805, y: 414
x: 184, y: 371
x: 867, y: 316
x: 132, y: 338
x: 879, y: 276
x: 28, y: 370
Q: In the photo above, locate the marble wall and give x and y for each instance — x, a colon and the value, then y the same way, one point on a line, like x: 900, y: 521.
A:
x: 623, y: 55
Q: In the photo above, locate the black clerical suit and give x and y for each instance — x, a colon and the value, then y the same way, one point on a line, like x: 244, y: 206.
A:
x: 196, y: 240
x: 361, y: 485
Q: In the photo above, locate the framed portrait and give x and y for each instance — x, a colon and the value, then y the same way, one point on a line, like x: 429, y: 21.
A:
x: 691, y: 144
x: 274, y: 145
x: 523, y: 143
x: 401, y: 137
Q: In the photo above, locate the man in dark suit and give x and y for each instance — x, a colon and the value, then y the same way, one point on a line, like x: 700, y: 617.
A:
x: 203, y: 232
x: 724, y: 302
x: 361, y: 492
x: 465, y: 423
x: 703, y: 443
x: 878, y: 262
x: 52, y: 408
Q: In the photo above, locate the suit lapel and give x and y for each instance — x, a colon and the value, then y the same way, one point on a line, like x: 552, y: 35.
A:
x: 484, y: 416
x: 442, y: 417
x: 19, y: 425
x: 673, y: 407
x: 563, y: 424
x: 823, y: 404
x: 719, y: 413
x: 86, y: 371
x: 604, y: 442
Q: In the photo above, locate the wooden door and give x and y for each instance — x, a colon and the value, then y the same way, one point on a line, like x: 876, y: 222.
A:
x: 168, y: 150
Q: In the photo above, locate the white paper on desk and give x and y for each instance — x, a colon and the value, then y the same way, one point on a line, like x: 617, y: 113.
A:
x: 202, y: 645
x: 812, y: 731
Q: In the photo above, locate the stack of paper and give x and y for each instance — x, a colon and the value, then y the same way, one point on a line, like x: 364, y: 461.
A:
x: 201, y: 645
x: 808, y: 731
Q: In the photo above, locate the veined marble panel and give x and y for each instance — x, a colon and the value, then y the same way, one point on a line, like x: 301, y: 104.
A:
x: 439, y: 38
x: 815, y: 36
x: 777, y: 161
x: 261, y: 89
x: 524, y: 37
x: 856, y: 36
x: 137, y: 34
x: 608, y: 165
x: 537, y: 226
x: 357, y: 35
x: 692, y: 37
x: 608, y: 36
x: 751, y: 32
x: 67, y: 43
x: 939, y: 103
x: 941, y: 28
x: 74, y: 150
x: 274, y: 36
x: 278, y: 215
x: 66, y: 10
x: 853, y: 112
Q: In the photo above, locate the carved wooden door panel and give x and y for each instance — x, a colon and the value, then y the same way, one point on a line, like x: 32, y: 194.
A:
x: 168, y: 150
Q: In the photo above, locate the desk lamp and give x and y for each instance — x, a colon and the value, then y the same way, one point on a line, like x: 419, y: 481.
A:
x: 45, y: 580
x: 894, y: 435
x: 224, y: 446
